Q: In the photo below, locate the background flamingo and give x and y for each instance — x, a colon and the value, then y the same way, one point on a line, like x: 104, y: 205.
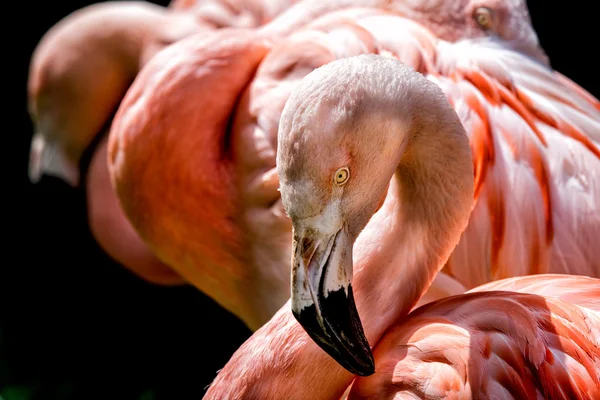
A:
x: 81, y: 70
x: 51, y: 283
x: 106, y: 44
x: 366, y: 113
x: 236, y: 246
x: 79, y: 74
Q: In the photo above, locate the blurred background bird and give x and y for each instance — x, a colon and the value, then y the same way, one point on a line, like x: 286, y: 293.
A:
x: 132, y: 334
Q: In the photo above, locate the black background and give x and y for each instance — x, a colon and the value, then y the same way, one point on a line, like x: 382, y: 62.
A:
x: 73, y: 324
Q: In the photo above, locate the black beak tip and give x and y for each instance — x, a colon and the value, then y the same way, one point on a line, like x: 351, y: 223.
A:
x: 368, y: 371
x: 357, y: 359
x: 365, y: 367
x: 339, y: 333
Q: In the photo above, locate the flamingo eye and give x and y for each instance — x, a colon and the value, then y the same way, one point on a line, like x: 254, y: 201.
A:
x: 484, y: 17
x: 341, y: 176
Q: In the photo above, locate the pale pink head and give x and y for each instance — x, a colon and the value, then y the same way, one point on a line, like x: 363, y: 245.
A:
x: 506, y: 20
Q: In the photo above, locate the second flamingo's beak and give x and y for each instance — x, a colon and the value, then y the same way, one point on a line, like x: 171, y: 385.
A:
x: 322, y: 298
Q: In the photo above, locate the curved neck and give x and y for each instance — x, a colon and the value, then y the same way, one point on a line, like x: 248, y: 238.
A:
x: 196, y: 234
x: 396, y: 257
x: 122, y: 32
x: 83, y: 67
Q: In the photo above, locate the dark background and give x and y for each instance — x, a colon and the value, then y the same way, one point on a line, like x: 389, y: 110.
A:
x: 74, y: 324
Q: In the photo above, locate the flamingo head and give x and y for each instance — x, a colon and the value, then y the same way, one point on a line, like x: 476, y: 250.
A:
x: 338, y: 150
x: 506, y: 21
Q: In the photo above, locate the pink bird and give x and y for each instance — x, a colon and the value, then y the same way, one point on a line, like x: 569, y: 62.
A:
x: 357, y: 132
x: 192, y: 149
x: 79, y: 73
x: 84, y: 64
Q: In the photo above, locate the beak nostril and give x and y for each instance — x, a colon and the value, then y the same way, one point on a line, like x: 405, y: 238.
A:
x: 307, y: 251
x: 306, y: 243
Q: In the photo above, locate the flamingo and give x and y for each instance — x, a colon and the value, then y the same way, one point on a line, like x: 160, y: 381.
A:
x: 376, y: 175
x: 82, y: 67
x: 192, y: 152
x: 79, y: 73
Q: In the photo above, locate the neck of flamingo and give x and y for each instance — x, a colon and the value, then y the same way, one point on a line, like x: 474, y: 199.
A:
x: 427, y: 207
x: 396, y: 257
x: 107, y: 75
x: 186, y: 207
x: 128, y: 49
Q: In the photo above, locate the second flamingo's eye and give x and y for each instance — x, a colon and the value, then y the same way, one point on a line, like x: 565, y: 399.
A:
x: 484, y: 17
x: 341, y: 176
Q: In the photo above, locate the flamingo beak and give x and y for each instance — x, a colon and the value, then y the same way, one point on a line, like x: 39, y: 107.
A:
x: 322, y: 298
